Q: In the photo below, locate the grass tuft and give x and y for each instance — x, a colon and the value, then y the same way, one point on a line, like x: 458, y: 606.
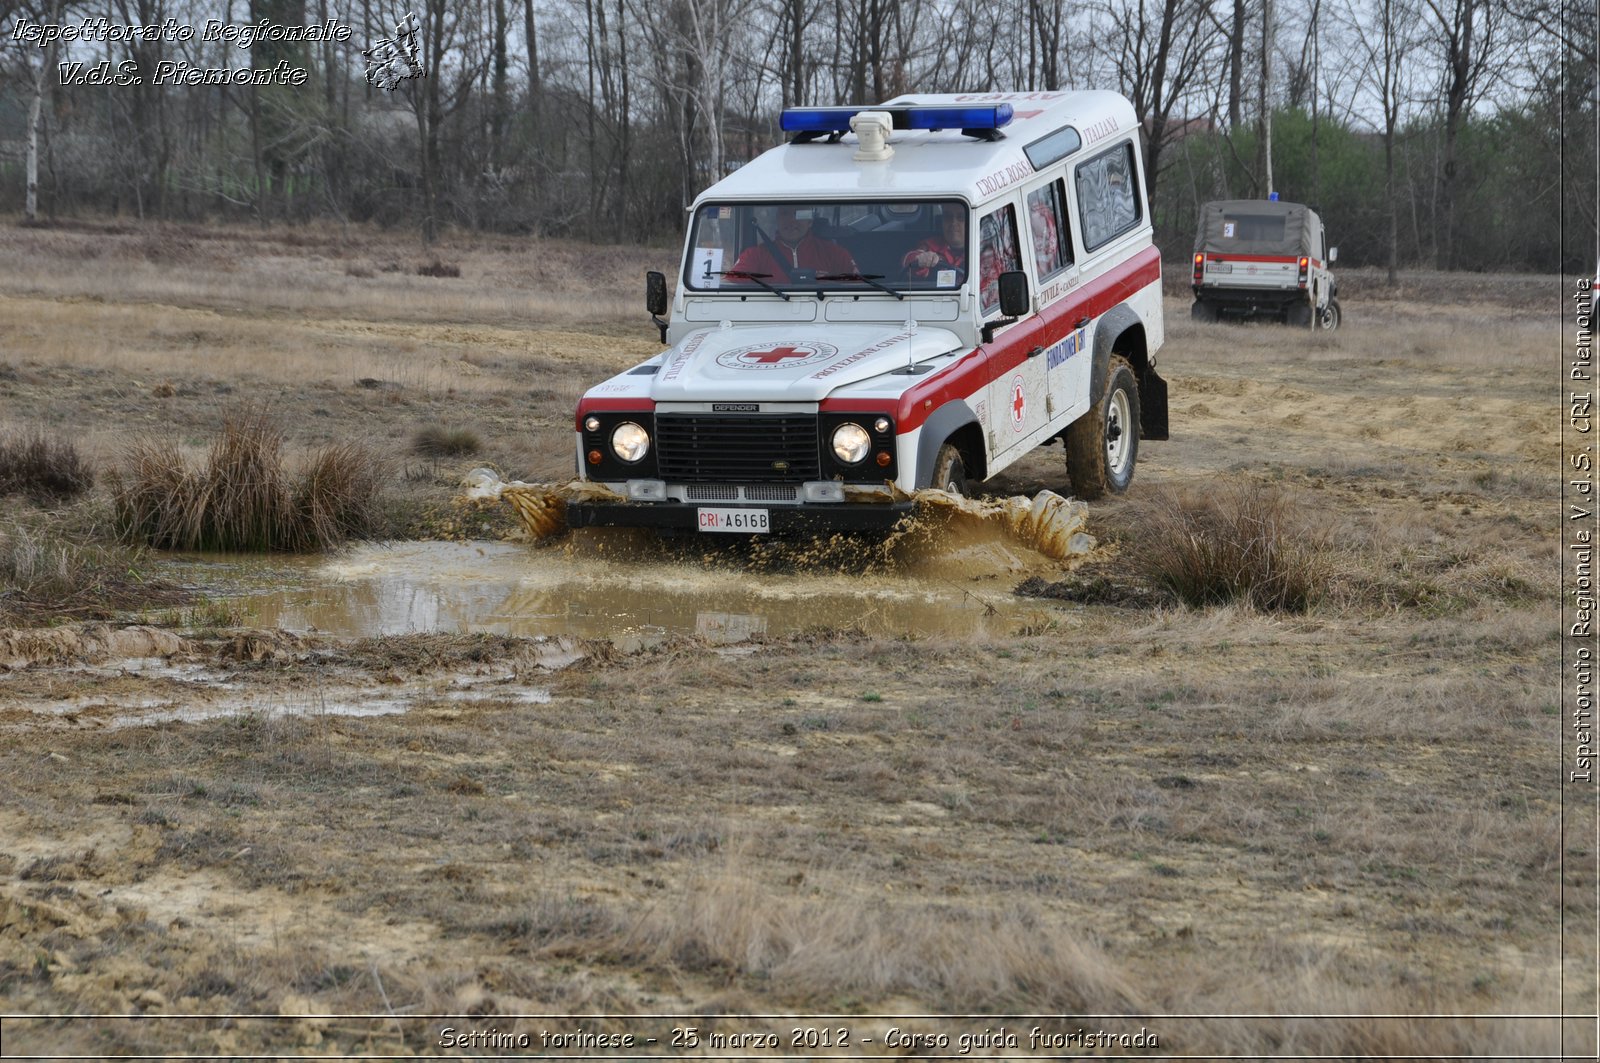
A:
x: 42, y: 467
x: 437, y: 441
x: 1240, y: 544
x: 437, y: 268
x: 244, y: 498
x: 47, y: 574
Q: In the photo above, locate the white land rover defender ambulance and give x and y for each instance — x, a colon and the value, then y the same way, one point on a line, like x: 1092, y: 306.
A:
x: 909, y: 295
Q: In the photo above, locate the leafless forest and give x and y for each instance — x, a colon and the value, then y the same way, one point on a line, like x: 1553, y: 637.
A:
x: 1455, y: 134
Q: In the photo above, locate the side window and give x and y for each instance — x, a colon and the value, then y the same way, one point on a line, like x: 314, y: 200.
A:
x: 1047, y: 228
x: 1108, y: 201
x: 997, y: 254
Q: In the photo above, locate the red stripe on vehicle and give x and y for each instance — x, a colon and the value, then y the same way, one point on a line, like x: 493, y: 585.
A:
x: 1287, y: 260
x: 979, y: 367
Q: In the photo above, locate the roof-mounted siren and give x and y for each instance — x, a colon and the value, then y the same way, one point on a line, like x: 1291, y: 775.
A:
x: 810, y: 123
x: 872, y: 130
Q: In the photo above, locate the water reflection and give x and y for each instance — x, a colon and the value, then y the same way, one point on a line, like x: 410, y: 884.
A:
x: 508, y: 588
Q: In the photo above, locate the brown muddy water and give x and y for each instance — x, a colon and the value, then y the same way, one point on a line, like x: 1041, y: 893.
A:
x: 630, y: 588
x: 634, y: 589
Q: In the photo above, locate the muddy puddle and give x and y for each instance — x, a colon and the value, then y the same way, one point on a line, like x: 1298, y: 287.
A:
x: 633, y: 589
x: 131, y: 692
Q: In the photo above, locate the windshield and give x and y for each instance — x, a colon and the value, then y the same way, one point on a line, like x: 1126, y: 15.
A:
x: 894, y: 246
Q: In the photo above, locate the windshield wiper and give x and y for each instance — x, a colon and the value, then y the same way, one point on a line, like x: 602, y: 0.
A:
x: 865, y: 278
x: 759, y: 278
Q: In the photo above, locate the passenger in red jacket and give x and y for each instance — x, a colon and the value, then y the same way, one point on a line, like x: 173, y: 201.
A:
x: 793, y: 248
x: 946, y: 251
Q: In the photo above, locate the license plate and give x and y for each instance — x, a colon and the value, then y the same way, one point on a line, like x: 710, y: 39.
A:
x: 738, y: 521
x: 1220, y: 267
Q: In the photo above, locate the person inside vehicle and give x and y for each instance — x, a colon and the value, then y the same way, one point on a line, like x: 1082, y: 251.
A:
x: 1046, y: 244
x: 793, y: 253
x: 989, y: 278
x: 947, y: 251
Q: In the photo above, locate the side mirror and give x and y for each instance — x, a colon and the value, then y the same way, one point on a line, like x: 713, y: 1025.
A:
x: 1014, y: 300
x: 655, y: 293
x: 655, y: 299
x: 1333, y: 255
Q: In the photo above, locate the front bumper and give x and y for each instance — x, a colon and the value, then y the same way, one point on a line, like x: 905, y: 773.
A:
x: 822, y: 517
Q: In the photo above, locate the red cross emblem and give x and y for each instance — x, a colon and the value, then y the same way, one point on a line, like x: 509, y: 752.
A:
x: 1018, y: 403
x: 760, y: 356
x: 776, y: 355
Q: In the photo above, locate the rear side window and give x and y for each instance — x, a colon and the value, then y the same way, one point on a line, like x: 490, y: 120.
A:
x: 1108, y: 196
x: 997, y: 254
x: 1253, y: 228
x: 1047, y: 229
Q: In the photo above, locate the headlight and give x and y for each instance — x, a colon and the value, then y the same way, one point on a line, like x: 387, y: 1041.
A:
x: 629, y: 442
x: 851, y: 443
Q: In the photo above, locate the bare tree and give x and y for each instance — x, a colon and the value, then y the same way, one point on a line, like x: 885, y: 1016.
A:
x: 1159, y: 51
x: 1461, y: 33
x: 37, y: 79
x: 1384, y: 32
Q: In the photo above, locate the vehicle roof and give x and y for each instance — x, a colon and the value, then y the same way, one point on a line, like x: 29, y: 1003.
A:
x: 932, y: 162
x: 1300, y: 224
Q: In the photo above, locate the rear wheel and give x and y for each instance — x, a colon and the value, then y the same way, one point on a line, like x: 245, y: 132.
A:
x: 1103, y: 444
x: 949, y: 471
x: 1330, y: 317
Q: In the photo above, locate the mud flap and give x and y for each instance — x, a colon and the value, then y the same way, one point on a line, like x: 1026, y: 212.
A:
x: 1152, y: 406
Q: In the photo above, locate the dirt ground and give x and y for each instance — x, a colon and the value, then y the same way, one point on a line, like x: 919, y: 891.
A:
x: 1227, y: 832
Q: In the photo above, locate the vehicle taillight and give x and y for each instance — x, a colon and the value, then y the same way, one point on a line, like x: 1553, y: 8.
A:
x: 1305, y: 265
x: 1199, y: 267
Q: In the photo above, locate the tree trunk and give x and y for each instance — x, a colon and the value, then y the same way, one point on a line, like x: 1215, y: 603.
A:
x: 498, y: 107
x: 625, y: 126
x: 1236, y: 68
x: 1394, y: 210
x: 35, y: 120
x: 1264, y: 145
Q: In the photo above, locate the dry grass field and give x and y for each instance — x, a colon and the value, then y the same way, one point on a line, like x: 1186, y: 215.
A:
x: 1334, y: 832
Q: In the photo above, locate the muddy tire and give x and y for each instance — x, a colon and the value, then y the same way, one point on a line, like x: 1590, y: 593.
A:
x: 1103, y: 444
x: 1203, y: 312
x: 1330, y: 318
x: 949, y: 471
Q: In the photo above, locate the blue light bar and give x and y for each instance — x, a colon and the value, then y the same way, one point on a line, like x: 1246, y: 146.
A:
x: 817, y: 120
x: 959, y: 117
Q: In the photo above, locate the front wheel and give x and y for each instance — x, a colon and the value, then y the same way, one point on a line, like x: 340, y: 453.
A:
x: 1103, y: 444
x: 949, y: 471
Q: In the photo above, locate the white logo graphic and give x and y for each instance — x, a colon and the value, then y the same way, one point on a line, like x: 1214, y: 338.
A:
x: 394, y: 59
x: 777, y: 355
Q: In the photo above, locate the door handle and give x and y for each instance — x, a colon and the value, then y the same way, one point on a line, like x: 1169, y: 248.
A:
x: 1082, y: 322
x: 1036, y: 352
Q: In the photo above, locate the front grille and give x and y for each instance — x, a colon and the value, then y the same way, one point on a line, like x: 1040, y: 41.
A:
x: 723, y: 448
x: 750, y: 493
x: 772, y: 493
x: 711, y: 493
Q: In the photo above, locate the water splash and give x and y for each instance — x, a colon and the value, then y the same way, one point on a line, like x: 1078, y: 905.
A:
x: 1048, y: 523
x: 542, y: 507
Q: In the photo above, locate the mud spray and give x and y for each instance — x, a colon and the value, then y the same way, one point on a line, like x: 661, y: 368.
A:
x: 1047, y: 523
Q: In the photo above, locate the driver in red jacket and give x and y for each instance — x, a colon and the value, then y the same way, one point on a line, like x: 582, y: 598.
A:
x: 948, y: 251
x: 793, y: 248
